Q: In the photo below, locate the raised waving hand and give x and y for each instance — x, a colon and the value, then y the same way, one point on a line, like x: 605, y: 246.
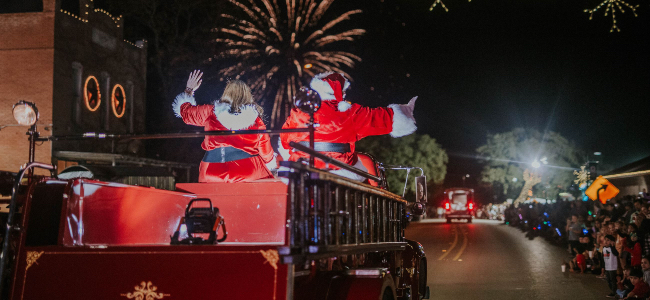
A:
x: 194, y: 82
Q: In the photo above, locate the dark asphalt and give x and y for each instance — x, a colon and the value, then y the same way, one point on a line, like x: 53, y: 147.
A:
x: 487, y: 260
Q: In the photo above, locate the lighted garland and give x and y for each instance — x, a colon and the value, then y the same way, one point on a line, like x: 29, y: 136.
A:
x: 611, y: 6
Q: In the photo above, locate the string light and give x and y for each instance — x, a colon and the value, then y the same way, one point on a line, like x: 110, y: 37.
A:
x: 282, y: 43
x: 73, y: 15
x: 611, y: 6
x: 441, y: 4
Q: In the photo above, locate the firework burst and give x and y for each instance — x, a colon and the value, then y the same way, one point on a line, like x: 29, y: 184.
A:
x: 277, y: 47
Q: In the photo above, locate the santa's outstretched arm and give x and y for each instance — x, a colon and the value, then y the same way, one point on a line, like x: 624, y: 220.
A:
x: 396, y: 120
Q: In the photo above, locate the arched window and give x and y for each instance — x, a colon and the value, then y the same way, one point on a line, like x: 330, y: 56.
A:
x: 118, y: 101
x: 92, y: 96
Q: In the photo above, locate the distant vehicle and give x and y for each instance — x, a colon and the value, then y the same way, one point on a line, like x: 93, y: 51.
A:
x: 459, y: 204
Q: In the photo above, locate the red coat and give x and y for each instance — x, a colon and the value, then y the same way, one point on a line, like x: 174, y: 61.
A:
x: 337, y: 126
x: 217, y: 117
x: 636, y: 254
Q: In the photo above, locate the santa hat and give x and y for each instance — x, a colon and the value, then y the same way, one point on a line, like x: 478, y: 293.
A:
x: 330, y: 85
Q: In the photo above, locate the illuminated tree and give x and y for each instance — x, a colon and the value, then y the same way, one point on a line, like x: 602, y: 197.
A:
x: 507, y: 155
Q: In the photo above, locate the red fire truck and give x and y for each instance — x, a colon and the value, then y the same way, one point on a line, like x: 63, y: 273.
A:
x: 321, y: 236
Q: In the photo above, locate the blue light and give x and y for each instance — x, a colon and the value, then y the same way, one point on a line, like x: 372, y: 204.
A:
x: 558, y: 232
x: 585, y: 231
x: 526, y: 222
x: 539, y: 227
x: 549, y: 224
x: 546, y: 214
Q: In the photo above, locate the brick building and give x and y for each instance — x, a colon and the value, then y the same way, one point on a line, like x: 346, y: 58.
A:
x: 71, y: 60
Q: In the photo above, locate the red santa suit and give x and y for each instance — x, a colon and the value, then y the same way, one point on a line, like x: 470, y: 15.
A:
x: 234, y: 158
x: 341, y: 123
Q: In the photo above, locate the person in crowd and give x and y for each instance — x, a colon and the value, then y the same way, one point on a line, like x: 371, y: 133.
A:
x: 633, y: 247
x: 627, y: 216
x: 621, y: 240
x: 641, y: 288
x: 579, y: 262
x: 602, y: 242
x: 645, y: 266
x: 624, y: 285
x: 610, y: 257
x: 610, y: 212
x: 574, y: 228
x: 342, y: 124
x: 234, y: 158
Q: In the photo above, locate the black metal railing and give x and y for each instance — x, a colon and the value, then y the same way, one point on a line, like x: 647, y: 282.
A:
x: 329, y: 215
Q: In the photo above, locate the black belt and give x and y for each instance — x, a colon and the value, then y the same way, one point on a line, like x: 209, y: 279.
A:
x: 225, y: 154
x: 328, y: 147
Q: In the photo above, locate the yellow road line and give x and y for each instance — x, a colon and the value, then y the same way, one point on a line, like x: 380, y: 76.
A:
x: 462, y: 248
x: 452, y: 245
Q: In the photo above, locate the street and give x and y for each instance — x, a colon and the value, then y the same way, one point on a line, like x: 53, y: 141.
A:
x: 488, y: 260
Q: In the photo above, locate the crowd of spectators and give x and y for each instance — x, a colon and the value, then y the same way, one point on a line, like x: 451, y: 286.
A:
x: 611, y: 241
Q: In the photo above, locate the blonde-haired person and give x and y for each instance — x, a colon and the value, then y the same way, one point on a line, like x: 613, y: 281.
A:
x: 234, y: 158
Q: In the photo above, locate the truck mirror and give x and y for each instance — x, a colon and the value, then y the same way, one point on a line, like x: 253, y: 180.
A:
x: 420, y: 195
x: 421, y: 189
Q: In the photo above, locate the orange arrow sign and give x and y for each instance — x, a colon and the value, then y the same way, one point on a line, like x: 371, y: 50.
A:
x: 602, y: 190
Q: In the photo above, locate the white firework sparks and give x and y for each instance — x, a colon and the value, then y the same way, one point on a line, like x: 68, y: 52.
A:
x: 276, y: 47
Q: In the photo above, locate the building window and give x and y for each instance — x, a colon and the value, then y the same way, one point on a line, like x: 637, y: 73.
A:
x: 118, y: 101
x: 92, y: 96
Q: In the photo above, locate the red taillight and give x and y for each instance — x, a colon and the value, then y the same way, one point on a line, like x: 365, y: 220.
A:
x: 471, y: 206
x: 447, y: 207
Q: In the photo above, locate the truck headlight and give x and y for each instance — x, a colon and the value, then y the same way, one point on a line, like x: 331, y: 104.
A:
x: 25, y: 113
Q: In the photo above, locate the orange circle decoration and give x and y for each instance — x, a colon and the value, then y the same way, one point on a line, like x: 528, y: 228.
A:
x: 118, y: 101
x: 92, y: 95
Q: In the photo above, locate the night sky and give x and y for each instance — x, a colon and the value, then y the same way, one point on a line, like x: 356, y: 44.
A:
x: 488, y: 66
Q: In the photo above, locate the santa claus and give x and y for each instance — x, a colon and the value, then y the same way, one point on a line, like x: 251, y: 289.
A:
x: 341, y: 124
x: 234, y: 158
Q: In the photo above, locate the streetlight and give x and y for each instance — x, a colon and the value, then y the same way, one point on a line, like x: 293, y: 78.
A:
x: 536, y: 164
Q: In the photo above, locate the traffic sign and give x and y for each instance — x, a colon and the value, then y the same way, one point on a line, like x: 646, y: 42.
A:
x: 601, y: 190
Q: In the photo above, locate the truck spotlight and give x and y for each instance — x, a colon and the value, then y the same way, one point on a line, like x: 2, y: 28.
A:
x: 25, y: 113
